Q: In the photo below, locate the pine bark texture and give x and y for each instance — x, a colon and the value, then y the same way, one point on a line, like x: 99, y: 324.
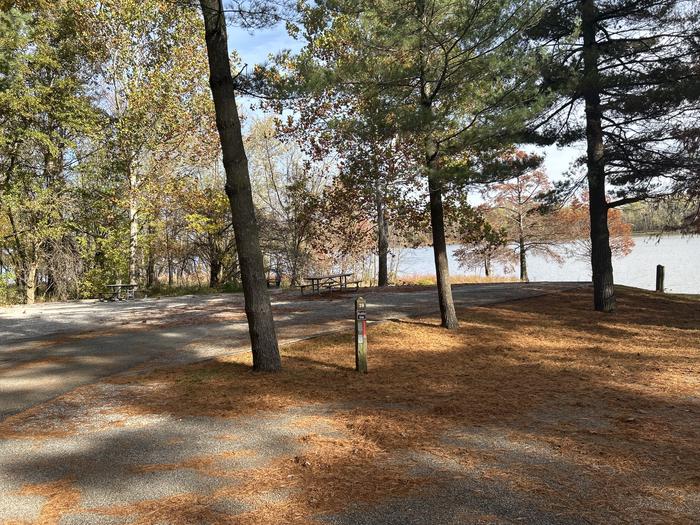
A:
x: 442, y: 271
x: 437, y: 219
x: 257, y: 301
x: 601, y: 255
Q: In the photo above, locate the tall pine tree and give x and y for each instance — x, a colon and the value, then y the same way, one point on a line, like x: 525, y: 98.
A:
x: 263, y: 338
x: 448, y: 74
x: 625, y: 82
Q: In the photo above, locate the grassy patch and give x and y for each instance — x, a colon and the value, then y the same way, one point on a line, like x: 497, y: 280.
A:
x: 430, y: 279
x: 177, y: 291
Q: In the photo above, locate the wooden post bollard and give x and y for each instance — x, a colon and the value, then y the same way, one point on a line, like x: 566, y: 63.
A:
x: 360, y: 335
x: 659, y: 278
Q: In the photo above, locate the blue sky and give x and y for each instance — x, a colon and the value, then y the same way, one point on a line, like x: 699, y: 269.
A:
x: 255, y: 47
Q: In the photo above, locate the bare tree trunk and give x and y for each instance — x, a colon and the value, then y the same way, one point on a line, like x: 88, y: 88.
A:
x: 133, y: 230
x: 181, y: 273
x: 51, y: 285
x: 30, y: 283
x: 214, y: 272
x: 53, y: 166
x: 442, y: 271
x: 170, y: 273
x: 295, y: 265
x: 382, y: 243
x: 601, y: 255
x: 150, y: 271
x: 261, y: 326
x: 293, y: 277
x: 150, y: 261
x: 523, y: 259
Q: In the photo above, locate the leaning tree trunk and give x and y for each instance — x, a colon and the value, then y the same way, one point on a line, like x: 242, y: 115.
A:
x: 382, y: 244
x: 601, y: 255
x: 442, y: 271
x: 261, y: 326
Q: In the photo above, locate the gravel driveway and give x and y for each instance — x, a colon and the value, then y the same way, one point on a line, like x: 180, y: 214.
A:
x: 47, y: 350
x: 102, y: 461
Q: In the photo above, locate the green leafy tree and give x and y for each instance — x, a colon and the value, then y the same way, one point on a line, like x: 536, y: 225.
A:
x: 152, y: 80
x: 481, y: 243
x: 377, y: 175
x: 45, y: 110
x: 287, y: 189
x: 452, y: 75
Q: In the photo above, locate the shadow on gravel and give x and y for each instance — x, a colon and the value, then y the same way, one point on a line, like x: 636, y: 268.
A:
x: 538, y: 410
x: 35, y: 370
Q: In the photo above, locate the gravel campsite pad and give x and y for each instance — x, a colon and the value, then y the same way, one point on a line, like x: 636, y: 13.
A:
x: 594, y: 420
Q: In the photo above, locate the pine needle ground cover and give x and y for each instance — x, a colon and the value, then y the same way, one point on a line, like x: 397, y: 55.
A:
x: 536, y: 411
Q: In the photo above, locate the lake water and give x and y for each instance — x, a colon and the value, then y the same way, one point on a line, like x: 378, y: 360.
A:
x: 679, y: 254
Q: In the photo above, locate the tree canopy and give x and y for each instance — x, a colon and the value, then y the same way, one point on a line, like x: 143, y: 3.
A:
x: 396, y: 124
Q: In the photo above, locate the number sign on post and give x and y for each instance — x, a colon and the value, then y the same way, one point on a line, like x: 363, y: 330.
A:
x: 360, y: 335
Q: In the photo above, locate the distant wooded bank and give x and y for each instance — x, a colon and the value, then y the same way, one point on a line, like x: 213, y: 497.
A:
x: 655, y: 217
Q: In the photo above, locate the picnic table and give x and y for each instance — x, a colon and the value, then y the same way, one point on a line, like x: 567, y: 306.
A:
x: 115, y: 292
x: 328, y: 282
x: 274, y: 278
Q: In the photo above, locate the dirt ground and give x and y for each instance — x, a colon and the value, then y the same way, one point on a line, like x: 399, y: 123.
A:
x: 538, y: 410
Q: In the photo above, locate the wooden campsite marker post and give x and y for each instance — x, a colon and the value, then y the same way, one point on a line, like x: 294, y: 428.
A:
x: 360, y: 335
x: 659, y: 278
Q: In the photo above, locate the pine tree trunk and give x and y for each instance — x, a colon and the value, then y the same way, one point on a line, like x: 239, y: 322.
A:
x: 442, y: 271
x: 257, y: 301
x: 437, y: 220
x: 601, y: 255
x: 382, y: 244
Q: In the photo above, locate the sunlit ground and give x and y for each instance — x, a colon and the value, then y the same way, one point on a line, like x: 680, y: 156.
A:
x: 538, y: 410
